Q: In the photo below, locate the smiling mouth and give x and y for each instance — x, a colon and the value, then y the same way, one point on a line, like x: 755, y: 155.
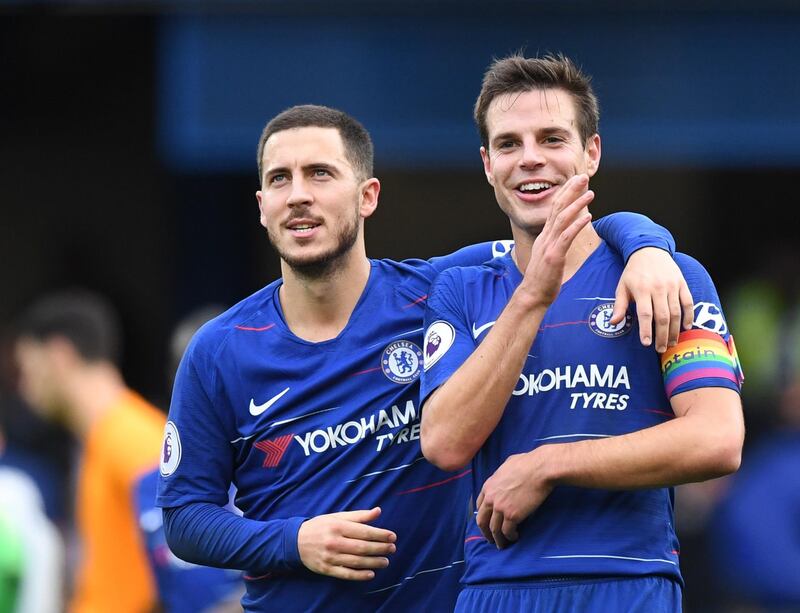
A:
x: 302, y: 227
x: 535, y: 187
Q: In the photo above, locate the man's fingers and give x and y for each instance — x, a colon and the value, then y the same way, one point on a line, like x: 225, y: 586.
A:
x: 660, y: 319
x: 621, y: 303
x: 570, y: 214
x: 482, y: 519
x: 510, y: 530
x: 364, y: 532
x: 563, y: 208
x: 687, y: 306
x: 360, y: 562
x: 361, y: 516
x: 496, y: 528
x: 644, y: 313
x: 674, y: 319
x: 568, y: 235
x: 365, y: 547
x: 350, y: 574
x: 353, y: 527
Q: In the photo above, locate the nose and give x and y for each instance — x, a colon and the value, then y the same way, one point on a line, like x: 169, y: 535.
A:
x: 300, y: 194
x: 532, y: 156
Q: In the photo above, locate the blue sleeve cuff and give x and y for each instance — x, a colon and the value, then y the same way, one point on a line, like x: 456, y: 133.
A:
x: 291, y: 553
x: 626, y: 233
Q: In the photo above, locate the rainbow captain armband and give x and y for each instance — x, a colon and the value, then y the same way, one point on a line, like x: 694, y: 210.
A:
x: 701, y: 359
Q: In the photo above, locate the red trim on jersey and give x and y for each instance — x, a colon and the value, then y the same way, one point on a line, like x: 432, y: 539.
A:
x: 417, y: 301
x: 438, y: 483
x: 364, y: 372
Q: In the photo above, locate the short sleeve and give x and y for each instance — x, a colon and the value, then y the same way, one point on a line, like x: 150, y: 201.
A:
x: 472, y: 255
x: 447, y: 342
x: 704, y: 356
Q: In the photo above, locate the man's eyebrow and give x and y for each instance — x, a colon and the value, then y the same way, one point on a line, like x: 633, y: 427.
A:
x: 322, y: 165
x: 304, y: 167
x: 554, y: 130
x: 275, y: 170
x: 504, y: 136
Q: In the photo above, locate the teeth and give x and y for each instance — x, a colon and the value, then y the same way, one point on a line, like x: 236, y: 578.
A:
x: 538, y: 185
x: 303, y: 228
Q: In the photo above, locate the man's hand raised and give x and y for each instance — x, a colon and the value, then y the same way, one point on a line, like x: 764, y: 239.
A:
x: 545, y: 269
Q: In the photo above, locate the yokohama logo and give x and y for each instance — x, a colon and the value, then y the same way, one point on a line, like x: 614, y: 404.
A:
x: 274, y: 449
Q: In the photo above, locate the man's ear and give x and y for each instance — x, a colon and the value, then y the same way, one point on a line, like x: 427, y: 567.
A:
x: 261, y: 216
x: 487, y: 166
x: 370, y: 190
x: 592, y: 152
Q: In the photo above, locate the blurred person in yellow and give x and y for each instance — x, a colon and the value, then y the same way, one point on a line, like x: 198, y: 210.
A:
x: 67, y: 349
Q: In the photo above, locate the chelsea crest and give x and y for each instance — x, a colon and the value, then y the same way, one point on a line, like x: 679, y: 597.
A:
x: 401, y: 361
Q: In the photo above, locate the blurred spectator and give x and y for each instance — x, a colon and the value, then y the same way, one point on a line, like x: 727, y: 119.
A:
x: 728, y: 524
x: 31, y: 549
x: 67, y: 350
x: 764, y: 310
x: 51, y: 479
x: 183, y: 587
x: 755, y: 534
x: 40, y: 448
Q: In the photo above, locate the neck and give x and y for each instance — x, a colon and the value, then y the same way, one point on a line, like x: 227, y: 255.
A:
x: 582, y: 247
x: 92, y: 391
x: 318, y: 308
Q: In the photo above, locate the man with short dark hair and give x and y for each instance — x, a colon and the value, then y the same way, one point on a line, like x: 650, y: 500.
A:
x: 305, y: 396
x: 67, y: 350
x: 538, y: 384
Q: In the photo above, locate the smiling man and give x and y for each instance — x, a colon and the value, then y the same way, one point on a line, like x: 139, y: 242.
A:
x: 572, y: 432
x: 305, y: 395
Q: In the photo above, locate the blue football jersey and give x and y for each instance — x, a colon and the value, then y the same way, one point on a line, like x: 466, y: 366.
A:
x: 304, y: 429
x: 584, y: 378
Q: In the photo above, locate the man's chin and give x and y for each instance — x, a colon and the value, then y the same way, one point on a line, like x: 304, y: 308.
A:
x: 312, y: 265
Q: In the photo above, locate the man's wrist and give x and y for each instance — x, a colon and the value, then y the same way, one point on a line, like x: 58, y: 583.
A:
x: 530, y: 300
x: 641, y: 251
x: 547, y: 464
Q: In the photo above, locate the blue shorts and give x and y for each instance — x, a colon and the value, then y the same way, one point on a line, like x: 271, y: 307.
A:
x: 571, y: 594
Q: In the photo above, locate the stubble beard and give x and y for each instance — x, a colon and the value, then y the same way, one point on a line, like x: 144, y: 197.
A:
x: 327, y: 263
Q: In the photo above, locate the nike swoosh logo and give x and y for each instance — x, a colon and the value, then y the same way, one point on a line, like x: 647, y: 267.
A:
x: 258, y: 409
x: 477, y: 331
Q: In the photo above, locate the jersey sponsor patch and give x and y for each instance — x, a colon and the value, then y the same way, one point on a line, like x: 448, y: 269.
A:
x: 170, y: 450
x: 274, y: 449
x: 438, y: 339
x: 401, y: 361
x: 600, y: 322
x: 700, y: 354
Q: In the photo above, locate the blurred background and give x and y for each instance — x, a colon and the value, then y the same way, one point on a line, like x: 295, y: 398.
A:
x: 128, y: 135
